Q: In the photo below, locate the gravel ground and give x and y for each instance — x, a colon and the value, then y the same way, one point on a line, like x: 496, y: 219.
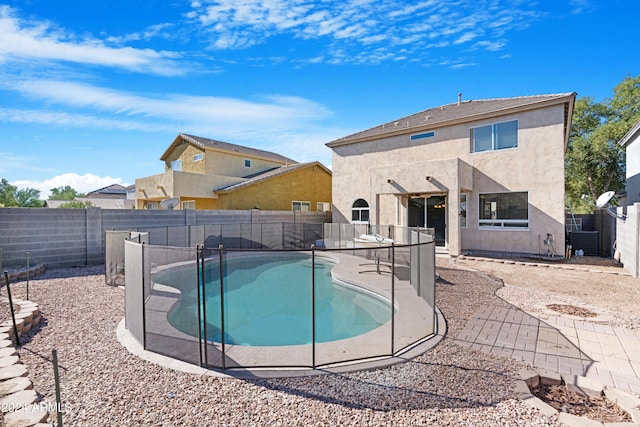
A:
x: 103, y: 384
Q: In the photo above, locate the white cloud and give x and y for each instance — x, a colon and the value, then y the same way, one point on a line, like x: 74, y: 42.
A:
x: 359, y: 30
x: 271, y: 121
x: 582, y: 6
x: 81, y: 183
x: 39, y: 40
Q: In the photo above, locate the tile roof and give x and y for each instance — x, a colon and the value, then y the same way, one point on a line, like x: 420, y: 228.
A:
x: 456, y: 112
x: 226, y: 146
x: 263, y: 176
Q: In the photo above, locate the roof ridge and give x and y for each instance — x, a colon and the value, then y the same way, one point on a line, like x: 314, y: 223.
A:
x: 440, y: 114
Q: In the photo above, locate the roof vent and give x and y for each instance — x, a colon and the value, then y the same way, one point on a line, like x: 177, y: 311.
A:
x: 459, y: 98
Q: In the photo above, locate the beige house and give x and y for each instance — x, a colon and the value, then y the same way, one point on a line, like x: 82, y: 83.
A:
x: 202, y: 173
x: 488, y: 175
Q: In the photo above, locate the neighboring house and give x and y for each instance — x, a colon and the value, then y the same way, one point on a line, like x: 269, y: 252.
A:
x: 114, y: 196
x: 488, y: 175
x: 208, y: 174
x: 631, y: 144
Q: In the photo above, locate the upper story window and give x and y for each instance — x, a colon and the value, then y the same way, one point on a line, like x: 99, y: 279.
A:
x: 504, y: 210
x: 360, y: 211
x: 176, y: 165
x: 247, y: 163
x: 300, y: 206
x: 198, y: 157
x: 497, y: 136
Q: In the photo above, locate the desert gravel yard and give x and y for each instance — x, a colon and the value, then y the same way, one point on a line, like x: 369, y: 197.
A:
x: 104, y: 385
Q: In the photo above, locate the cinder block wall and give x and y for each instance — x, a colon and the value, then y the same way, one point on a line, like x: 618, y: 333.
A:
x: 76, y: 237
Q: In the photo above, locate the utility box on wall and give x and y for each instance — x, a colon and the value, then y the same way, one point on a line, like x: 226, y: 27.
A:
x: 585, y: 240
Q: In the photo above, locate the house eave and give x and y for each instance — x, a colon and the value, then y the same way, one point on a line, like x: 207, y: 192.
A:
x: 567, y: 99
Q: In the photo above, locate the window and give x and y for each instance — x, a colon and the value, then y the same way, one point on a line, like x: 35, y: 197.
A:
x: 198, y: 157
x: 360, y: 211
x: 152, y: 206
x: 323, y: 206
x: 463, y: 211
x: 422, y: 136
x: 189, y: 204
x: 504, y: 210
x: 176, y: 165
x: 497, y: 136
x: 247, y: 163
x: 300, y: 206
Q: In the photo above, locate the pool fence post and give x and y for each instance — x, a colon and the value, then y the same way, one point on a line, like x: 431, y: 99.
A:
x: 199, y: 276
x: 144, y: 316
x: 393, y: 289
x: 13, y: 316
x: 221, y: 248
x: 56, y: 380
x: 313, y: 306
x: 204, y: 311
x: 27, y: 275
x: 419, y: 284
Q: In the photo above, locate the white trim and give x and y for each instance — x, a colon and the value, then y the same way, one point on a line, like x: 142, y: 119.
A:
x: 472, y: 144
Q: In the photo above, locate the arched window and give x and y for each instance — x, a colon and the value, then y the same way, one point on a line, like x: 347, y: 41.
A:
x: 360, y: 211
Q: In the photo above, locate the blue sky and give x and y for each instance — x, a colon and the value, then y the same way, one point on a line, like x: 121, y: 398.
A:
x: 92, y: 93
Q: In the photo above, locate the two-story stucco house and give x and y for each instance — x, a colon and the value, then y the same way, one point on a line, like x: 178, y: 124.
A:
x: 208, y: 174
x: 631, y: 144
x: 488, y: 174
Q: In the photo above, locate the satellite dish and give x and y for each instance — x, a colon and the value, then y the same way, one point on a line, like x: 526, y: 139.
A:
x: 603, y: 202
x: 604, y: 199
x: 169, y: 203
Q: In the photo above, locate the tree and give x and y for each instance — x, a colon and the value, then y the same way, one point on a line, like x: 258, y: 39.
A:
x: 64, y: 193
x: 11, y: 197
x: 7, y: 194
x: 76, y: 204
x: 595, y: 162
x: 29, y: 198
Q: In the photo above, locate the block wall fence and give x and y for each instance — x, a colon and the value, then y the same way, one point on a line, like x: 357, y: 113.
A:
x: 60, y: 238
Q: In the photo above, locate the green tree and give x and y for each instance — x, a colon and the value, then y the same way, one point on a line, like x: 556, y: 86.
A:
x: 29, y: 198
x: 595, y: 162
x: 76, y: 204
x: 7, y: 194
x: 11, y: 197
x: 64, y: 193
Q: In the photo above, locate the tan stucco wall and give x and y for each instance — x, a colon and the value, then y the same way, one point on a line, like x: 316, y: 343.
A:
x: 182, y: 185
x: 217, y: 162
x: 220, y: 163
x: 311, y: 184
x: 185, y: 152
x: 537, y: 165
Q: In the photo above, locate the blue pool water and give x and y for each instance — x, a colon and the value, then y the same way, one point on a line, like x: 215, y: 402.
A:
x: 268, y: 302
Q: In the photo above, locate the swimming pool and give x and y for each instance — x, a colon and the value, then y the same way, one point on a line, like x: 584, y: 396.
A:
x: 268, y: 302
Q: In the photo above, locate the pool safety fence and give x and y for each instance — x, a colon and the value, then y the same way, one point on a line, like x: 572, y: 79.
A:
x: 191, y: 304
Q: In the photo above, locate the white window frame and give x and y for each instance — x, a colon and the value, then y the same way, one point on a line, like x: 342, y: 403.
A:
x: 152, y: 206
x: 176, y: 165
x: 493, y: 136
x: 323, y: 207
x: 186, y: 205
x: 464, y: 219
x: 198, y: 157
x: 504, y: 223
x: 301, y: 205
x: 360, y: 209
